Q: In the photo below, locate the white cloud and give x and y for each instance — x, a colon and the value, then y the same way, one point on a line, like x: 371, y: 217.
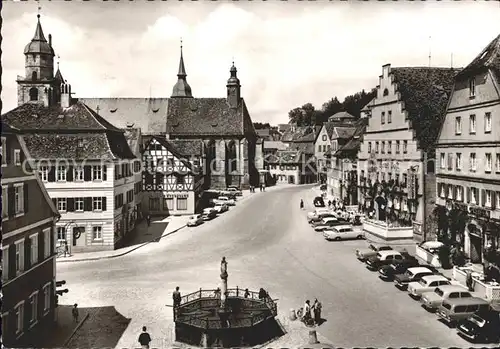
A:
x: 286, y: 55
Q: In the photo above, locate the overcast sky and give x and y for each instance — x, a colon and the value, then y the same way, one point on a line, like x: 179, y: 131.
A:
x: 287, y: 53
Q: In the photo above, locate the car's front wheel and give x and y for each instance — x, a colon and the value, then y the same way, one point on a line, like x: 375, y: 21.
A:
x: 337, y: 238
x: 359, y: 237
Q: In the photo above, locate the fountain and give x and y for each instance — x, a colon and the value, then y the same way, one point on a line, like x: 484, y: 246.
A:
x: 226, y: 317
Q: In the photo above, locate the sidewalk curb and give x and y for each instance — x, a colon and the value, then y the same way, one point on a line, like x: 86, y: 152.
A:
x: 75, y: 330
x: 123, y: 253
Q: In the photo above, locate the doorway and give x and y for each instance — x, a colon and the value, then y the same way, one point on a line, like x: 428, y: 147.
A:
x: 291, y: 180
x: 79, y: 236
x: 475, y: 248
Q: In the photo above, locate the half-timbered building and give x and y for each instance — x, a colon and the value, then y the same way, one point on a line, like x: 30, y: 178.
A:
x: 172, y: 182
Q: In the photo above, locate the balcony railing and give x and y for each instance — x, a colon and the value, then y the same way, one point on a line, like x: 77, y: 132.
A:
x: 245, y: 321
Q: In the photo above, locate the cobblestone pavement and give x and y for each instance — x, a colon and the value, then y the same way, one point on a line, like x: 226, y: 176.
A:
x: 269, y: 244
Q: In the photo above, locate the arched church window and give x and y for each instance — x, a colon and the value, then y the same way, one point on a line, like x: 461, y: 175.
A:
x: 34, y: 76
x: 33, y: 94
x: 232, y: 157
x: 386, y: 92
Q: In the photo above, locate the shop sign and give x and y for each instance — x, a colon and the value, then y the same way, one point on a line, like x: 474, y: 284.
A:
x: 411, y: 187
x: 171, y: 196
x: 480, y: 212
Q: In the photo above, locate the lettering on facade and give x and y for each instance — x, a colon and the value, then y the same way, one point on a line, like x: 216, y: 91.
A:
x: 480, y: 212
x: 180, y: 196
x: 411, y: 184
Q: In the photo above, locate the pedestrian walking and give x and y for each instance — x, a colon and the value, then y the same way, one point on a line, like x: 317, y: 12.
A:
x: 301, y: 204
x: 144, y: 338
x: 74, y: 312
x: 317, y: 312
x: 148, y: 220
x: 247, y: 293
x: 217, y: 293
x: 66, y: 249
x: 262, y: 293
x: 306, y: 315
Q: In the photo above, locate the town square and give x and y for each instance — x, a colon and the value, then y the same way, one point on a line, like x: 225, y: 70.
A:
x: 245, y: 174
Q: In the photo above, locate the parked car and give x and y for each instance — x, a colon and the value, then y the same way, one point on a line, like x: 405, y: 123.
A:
x: 426, y: 284
x: 317, y: 220
x: 316, y: 212
x: 432, y: 300
x: 209, y: 213
x: 318, y: 202
x: 225, y: 200
x: 455, y: 310
x: 341, y: 232
x: 482, y: 327
x: 221, y: 208
x: 431, y: 246
x: 327, y: 223
x: 387, y: 272
x: 366, y: 253
x: 383, y: 258
x: 234, y: 190
x: 195, y: 220
x: 401, y: 281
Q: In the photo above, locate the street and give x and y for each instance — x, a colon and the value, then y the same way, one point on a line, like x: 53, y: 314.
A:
x: 267, y: 243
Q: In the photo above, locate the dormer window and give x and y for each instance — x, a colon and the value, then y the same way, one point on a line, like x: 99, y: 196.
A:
x: 472, y: 87
x: 33, y: 94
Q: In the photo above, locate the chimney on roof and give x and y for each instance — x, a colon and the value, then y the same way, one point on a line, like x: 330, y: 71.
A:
x: 50, y: 40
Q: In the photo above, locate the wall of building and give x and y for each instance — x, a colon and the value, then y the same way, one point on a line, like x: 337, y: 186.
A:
x: 163, y: 207
x: 322, y: 145
x: 285, y: 174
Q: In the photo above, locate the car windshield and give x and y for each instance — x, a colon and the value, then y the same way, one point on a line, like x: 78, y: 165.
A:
x: 422, y: 282
x: 409, y: 273
x: 373, y: 248
x: 477, y: 320
x: 439, y: 292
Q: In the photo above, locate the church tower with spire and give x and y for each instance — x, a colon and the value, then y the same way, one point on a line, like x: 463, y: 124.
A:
x: 38, y: 85
x: 233, y: 89
x: 181, y: 88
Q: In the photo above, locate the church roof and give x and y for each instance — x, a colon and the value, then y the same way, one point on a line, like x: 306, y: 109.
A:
x: 207, y: 117
x: 38, y: 44
x: 488, y: 58
x: 425, y: 93
x: 181, y: 87
x: 149, y: 114
x: 59, y: 76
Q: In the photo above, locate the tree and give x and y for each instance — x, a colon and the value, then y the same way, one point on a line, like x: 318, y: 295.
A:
x: 260, y: 125
x: 295, y: 116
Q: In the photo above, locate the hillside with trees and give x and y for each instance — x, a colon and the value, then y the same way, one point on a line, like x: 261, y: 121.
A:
x: 308, y: 115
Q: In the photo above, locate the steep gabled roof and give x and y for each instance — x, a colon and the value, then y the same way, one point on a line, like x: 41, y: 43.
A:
x: 345, y: 132
x: 488, y: 58
x: 36, y: 117
x: 169, y: 146
x: 79, y: 146
x: 188, y: 147
x: 148, y: 114
x: 285, y: 157
x: 425, y: 93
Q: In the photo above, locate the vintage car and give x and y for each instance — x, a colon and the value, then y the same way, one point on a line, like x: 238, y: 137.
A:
x: 341, y: 232
x: 401, y: 281
x: 432, y: 300
x: 387, y: 272
x: 195, y: 220
x: 221, y: 208
x: 319, y: 202
x: 209, y: 213
x: 426, y: 284
x: 383, y: 258
x: 364, y: 254
x: 318, y: 220
x: 328, y: 223
x: 316, y: 213
x: 454, y: 310
x: 482, y: 327
x: 234, y: 190
x: 225, y: 200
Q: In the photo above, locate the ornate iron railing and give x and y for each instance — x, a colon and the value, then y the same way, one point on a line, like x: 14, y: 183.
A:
x: 247, y: 321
